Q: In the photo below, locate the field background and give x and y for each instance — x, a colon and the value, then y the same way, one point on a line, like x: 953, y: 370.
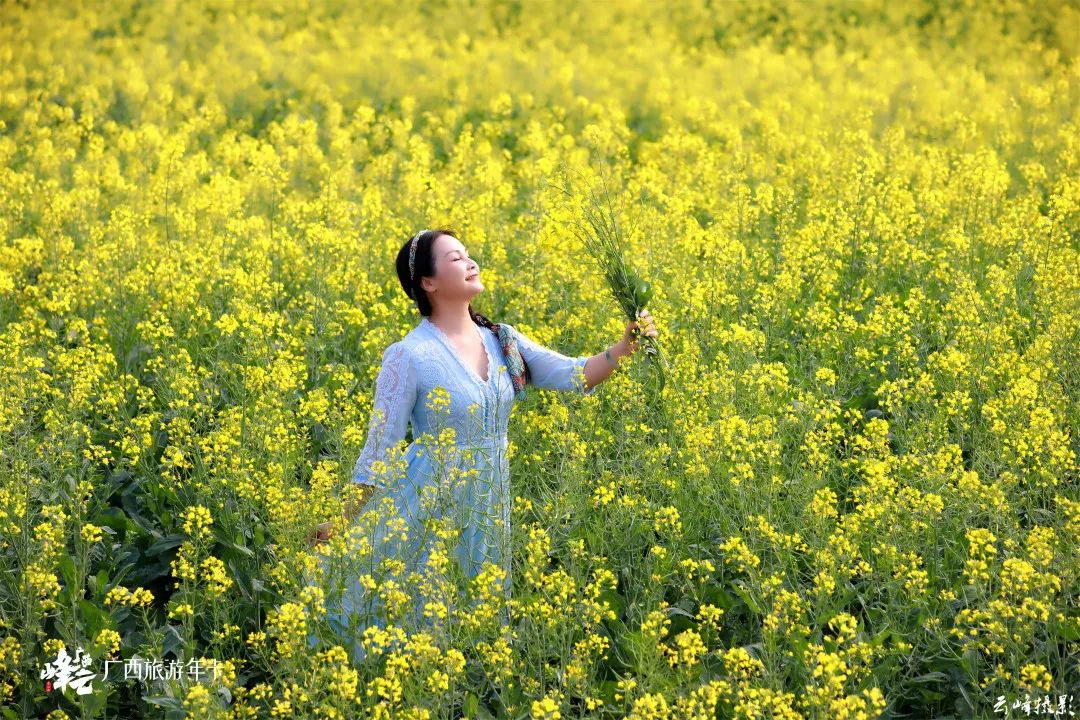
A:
x: 859, y: 494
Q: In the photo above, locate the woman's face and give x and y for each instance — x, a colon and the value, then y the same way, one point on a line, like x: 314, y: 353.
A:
x: 457, y: 276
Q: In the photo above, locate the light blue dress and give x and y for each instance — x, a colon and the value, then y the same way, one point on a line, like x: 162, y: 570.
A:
x: 411, y: 368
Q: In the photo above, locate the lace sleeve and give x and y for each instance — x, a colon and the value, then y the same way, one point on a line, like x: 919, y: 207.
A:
x: 395, y: 396
x: 551, y: 370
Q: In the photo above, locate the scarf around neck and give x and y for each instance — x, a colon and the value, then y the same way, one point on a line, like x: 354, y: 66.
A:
x: 514, y: 363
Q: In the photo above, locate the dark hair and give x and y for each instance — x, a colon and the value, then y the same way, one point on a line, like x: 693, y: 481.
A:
x: 424, y: 266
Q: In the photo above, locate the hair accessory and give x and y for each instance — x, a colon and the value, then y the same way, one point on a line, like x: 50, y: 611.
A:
x: 412, y: 255
x: 514, y: 362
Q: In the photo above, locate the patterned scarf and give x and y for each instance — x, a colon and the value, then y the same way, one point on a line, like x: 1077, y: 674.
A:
x: 514, y: 363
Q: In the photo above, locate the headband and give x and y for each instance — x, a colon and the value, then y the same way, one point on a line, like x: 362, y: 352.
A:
x: 412, y: 255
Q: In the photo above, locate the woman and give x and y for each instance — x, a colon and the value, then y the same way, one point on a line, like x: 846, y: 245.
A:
x: 484, y: 367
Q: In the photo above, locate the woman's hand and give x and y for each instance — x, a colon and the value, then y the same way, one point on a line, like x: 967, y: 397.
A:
x: 322, y: 531
x: 629, y: 340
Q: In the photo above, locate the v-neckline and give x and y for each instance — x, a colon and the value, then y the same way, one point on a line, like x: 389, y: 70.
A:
x: 457, y: 356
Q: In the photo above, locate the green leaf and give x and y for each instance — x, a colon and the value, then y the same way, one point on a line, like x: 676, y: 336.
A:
x: 1070, y: 630
x: 165, y: 701
x: 676, y: 610
x: 470, y: 705
x: 166, y: 543
x: 930, y: 677
x: 716, y: 595
x: 236, y: 544
x: 94, y: 618
x: 750, y: 603
x: 67, y: 571
x: 879, y: 639
x: 93, y: 702
x: 98, y: 582
x: 174, y: 641
x: 629, y: 644
x: 967, y: 662
x: 614, y: 600
x: 241, y: 580
x: 144, y: 575
x: 113, y: 517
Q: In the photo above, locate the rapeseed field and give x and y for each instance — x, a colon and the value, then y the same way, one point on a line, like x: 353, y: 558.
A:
x: 857, y: 496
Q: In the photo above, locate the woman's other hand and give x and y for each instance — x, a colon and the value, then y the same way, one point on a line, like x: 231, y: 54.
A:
x: 322, y: 531
x: 320, y: 534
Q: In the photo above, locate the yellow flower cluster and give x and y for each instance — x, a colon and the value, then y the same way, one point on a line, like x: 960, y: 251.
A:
x: 1020, y: 603
x: 655, y: 626
x: 909, y: 570
x: 545, y: 709
x: 787, y: 612
x: 1035, y: 677
x: 215, y: 576
x: 137, y: 598
x: 109, y: 639
x: 43, y: 584
x: 91, y: 533
x: 197, y: 522
x: 738, y: 555
x: 497, y: 659
x: 981, y: 552
x: 438, y: 400
x: 604, y: 494
x: 50, y: 534
x: 687, y: 649
x: 10, y: 656
x: 666, y: 522
x: 288, y: 625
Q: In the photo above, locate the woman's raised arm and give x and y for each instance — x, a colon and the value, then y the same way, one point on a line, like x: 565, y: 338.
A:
x: 552, y: 370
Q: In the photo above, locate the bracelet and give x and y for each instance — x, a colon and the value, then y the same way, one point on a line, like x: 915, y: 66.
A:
x: 607, y: 354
